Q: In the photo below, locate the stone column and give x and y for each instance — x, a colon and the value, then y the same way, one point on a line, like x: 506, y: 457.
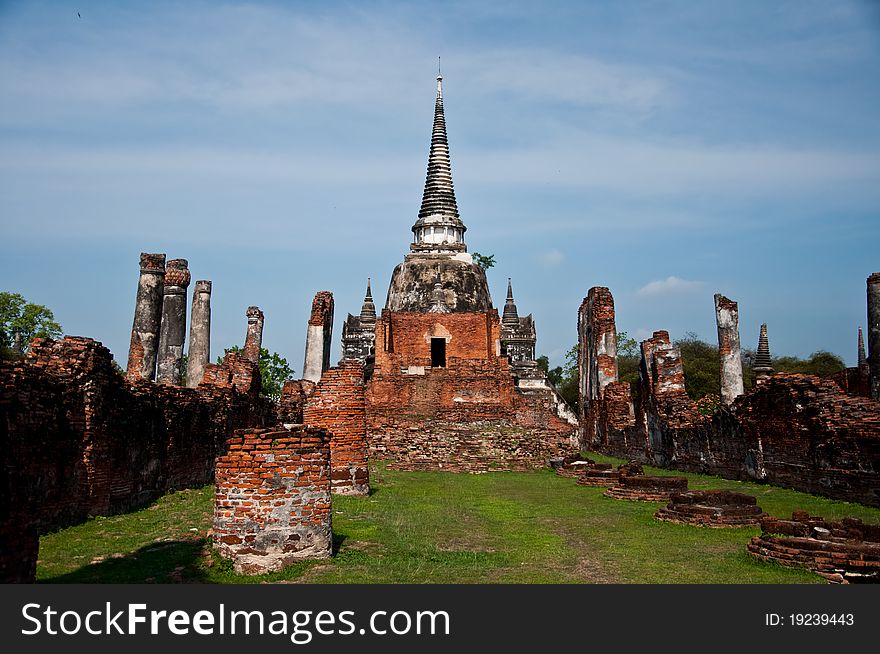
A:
x: 874, y: 333
x: 147, y: 316
x: 317, y: 359
x: 254, y: 339
x: 199, y: 334
x: 763, y: 366
x: 727, y: 319
x: 173, y: 332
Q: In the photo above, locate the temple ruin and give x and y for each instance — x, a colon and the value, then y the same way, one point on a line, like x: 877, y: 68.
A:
x: 436, y: 380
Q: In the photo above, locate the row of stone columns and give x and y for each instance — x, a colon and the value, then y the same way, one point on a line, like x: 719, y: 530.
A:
x: 158, y: 333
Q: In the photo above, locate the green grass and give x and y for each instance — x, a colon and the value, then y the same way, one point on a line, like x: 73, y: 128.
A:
x: 435, y: 527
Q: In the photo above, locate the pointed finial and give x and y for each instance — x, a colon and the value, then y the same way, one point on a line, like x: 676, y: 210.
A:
x: 510, y: 316
x: 439, y: 81
x: 368, y: 309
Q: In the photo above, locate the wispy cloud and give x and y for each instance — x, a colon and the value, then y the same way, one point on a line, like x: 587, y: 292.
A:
x: 552, y: 258
x: 672, y: 285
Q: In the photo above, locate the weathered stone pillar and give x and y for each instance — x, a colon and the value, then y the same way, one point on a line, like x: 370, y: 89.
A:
x: 254, y: 339
x: 874, y: 333
x: 727, y: 319
x: 763, y: 366
x: 317, y: 359
x: 598, y: 342
x: 199, y: 334
x: 173, y: 332
x: 147, y: 317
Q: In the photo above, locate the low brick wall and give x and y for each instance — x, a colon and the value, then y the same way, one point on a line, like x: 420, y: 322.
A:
x: 78, y: 439
x: 272, y: 498
x: 795, y: 431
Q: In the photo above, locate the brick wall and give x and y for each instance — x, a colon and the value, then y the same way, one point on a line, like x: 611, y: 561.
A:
x: 406, y: 337
x: 78, y: 439
x: 272, y: 498
x: 466, y: 416
x: 337, y: 405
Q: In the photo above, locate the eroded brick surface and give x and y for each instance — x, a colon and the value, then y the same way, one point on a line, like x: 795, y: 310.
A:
x: 272, y: 498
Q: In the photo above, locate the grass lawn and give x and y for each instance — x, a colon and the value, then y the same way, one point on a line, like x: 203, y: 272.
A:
x: 436, y: 527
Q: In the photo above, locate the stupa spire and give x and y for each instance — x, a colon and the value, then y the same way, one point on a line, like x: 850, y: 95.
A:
x: 510, y: 315
x: 439, y: 228
x: 763, y: 366
x: 368, y: 309
x: 863, y: 359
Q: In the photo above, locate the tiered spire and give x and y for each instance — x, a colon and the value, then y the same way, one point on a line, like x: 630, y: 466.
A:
x: 763, y: 366
x: 510, y: 315
x: 863, y: 359
x: 368, y: 310
x: 439, y: 227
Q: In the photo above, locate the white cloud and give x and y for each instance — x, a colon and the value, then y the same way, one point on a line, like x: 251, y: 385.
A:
x: 552, y: 258
x: 669, y: 286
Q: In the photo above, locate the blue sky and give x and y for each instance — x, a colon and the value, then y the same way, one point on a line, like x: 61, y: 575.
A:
x: 667, y: 150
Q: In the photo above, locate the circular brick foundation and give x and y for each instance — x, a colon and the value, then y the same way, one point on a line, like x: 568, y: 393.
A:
x: 841, y: 552
x: 600, y: 474
x: 713, y: 508
x: 646, y: 488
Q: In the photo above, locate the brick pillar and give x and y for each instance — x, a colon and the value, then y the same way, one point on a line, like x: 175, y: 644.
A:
x: 254, y: 339
x: 173, y: 331
x: 199, y: 334
x: 727, y: 319
x: 272, y: 499
x: 338, y: 405
x: 597, y: 359
x: 317, y: 359
x: 147, y: 317
x: 874, y: 333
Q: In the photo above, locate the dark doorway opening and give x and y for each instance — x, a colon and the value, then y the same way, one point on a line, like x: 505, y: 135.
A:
x: 438, y: 352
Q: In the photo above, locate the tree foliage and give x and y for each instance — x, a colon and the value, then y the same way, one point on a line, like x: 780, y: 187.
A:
x: 564, y: 378
x: 274, y: 371
x: 628, y: 360
x: 484, y: 261
x: 21, y: 322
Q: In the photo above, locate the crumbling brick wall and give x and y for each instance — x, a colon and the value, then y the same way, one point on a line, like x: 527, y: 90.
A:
x: 792, y: 430
x: 293, y: 400
x: 337, y: 405
x: 78, y: 439
x: 272, y: 498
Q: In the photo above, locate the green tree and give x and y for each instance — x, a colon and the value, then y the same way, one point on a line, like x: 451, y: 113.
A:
x: 274, y: 371
x: 821, y: 364
x: 484, y: 261
x: 702, y: 367
x: 564, y: 378
x: 628, y: 359
x: 543, y: 363
x: 21, y: 322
